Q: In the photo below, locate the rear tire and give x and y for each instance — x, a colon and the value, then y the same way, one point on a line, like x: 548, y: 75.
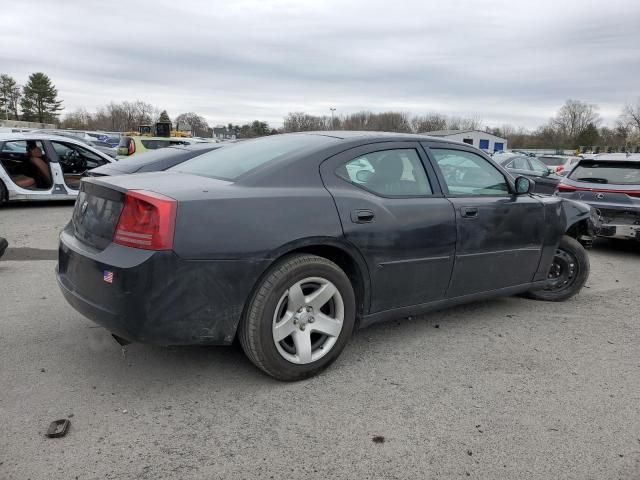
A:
x: 4, y: 195
x: 299, y: 318
x: 568, y: 273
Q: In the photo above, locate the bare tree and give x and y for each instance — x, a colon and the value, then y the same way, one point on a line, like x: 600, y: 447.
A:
x: 574, y: 117
x: 198, y: 125
x: 631, y: 117
x: 429, y: 123
x: 304, y: 122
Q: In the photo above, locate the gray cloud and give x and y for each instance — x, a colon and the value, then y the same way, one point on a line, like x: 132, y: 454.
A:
x: 504, y: 61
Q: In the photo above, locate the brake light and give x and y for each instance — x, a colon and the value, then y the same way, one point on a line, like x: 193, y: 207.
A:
x: 131, y: 147
x: 563, y: 187
x: 147, y: 221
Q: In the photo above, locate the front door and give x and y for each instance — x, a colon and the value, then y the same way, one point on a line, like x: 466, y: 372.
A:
x: 393, y: 211
x: 499, y: 234
x: 74, y: 161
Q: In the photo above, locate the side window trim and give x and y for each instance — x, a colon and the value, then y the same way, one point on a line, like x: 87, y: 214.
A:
x: 361, y: 151
x: 429, y: 146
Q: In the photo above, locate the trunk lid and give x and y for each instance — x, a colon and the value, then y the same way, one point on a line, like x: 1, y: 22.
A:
x: 101, y: 199
x: 96, y: 214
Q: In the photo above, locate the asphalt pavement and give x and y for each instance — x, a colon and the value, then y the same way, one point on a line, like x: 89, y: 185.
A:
x: 502, y: 389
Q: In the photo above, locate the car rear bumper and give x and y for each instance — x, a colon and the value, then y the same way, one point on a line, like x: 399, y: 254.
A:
x: 155, y: 297
x: 624, y: 232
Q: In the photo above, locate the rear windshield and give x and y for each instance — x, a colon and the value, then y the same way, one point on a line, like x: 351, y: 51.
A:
x: 235, y: 160
x: 618, y: 173
x: 553, y: 161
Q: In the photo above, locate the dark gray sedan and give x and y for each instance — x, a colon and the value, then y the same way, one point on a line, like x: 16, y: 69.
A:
x: 289, y: 242
x: 545, y: 178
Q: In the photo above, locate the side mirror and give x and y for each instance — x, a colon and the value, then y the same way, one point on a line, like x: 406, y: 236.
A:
x: 524, y: 185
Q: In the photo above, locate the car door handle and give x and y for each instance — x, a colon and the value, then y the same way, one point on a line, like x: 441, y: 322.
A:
x: 469, y: 212
x: 362, y: 216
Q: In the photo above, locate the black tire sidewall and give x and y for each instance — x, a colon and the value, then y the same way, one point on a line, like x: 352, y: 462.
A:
x: 271, y: 357
x: 573, y: 247
x: 4, y: 193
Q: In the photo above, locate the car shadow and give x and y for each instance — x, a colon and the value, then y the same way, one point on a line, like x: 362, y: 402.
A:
x: 617, y: 247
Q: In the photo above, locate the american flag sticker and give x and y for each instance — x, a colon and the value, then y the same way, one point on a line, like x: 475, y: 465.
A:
x: 107, y: 276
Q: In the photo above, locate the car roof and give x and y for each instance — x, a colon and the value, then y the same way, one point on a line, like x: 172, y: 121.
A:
x: 374, y: 135
x: 615, y: 157
x: 7, y: 137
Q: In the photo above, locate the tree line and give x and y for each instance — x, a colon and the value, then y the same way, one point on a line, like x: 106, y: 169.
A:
x: 575, y: 124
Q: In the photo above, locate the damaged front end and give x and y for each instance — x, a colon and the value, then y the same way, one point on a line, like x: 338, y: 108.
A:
x: 623, y: 224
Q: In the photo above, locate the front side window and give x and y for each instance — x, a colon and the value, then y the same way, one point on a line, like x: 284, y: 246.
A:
x: 75, y: 158
x: 389, y: 173
x: 538, y: 167
x: 466, y: 173
x: 519, y: 163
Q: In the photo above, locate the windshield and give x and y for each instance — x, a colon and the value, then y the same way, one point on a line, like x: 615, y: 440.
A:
x: 235, y: 160
x: 619, y: 173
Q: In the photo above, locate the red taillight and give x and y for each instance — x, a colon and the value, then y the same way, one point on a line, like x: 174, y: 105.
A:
x: 560, y: 169
x: 131, y: 147
x: 147, y: 221
x: 563, y: 187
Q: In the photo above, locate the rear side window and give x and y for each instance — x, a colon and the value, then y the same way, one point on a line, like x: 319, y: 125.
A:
x: 466, y: 173
x: 231, y: 162
x: 553, y: 161
x: 619, y: 173
x: 388, y: 173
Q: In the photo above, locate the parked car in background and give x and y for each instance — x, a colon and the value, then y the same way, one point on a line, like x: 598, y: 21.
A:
x: 610, y: 182
x: 66, y: 161
x: 545, y: 178
x: 104, y: 147
x: 155, y: 161
x: 137, y: 144
x: 284, y: 242
x: 560, y: 163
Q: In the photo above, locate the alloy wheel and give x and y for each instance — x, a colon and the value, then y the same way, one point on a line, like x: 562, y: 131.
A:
x: 308, y: 320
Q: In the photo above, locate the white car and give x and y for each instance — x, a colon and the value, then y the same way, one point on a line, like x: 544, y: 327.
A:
x: 67, y: 159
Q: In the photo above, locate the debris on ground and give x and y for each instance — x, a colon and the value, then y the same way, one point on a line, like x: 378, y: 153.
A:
x: 58, y: 428
x: 378, y: 439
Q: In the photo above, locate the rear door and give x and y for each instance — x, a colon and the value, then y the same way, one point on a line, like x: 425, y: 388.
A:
x: 393, y: 211
x: 499, y: 234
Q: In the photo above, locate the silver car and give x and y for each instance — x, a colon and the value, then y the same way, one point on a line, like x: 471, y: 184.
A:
x: 66, y: 161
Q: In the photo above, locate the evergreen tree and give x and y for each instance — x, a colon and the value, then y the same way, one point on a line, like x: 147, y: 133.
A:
x: 164, y: 117
x: 9, y: 97
x: 39, y: 101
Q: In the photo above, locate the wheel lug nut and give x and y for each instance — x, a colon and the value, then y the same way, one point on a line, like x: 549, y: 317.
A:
x: 295, y: 321
x: 311, y: 319
x: 302, y: 327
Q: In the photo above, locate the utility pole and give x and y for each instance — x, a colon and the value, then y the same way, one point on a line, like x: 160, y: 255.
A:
x: 332, y: 122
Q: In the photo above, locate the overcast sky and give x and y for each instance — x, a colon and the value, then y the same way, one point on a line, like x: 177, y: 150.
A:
x: 235, y: 61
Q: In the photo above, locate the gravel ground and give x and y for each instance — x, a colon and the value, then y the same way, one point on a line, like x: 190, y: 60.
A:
x: 509, y: 388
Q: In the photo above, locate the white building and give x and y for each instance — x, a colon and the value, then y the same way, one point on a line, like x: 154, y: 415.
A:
x: 479, y: 139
